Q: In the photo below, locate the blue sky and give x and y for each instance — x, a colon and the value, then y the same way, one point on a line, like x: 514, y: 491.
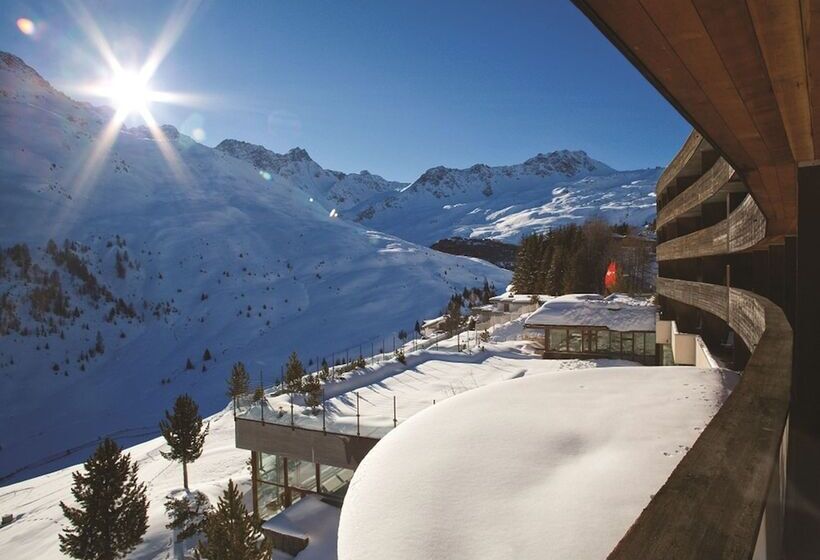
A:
x: 394, y: 86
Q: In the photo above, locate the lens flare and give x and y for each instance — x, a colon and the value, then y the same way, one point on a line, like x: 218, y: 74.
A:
x: 198, y: 134
x: 26, y: 26
x: 128, y: 91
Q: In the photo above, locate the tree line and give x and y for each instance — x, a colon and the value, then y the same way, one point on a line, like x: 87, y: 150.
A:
x: 574, y: 259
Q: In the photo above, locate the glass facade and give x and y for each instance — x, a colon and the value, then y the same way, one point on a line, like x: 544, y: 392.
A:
x: 280, y: 482
x: 601, y: 341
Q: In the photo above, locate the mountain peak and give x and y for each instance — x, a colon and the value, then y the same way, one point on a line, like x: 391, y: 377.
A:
x: 261, y: 157
x: 566, y: 162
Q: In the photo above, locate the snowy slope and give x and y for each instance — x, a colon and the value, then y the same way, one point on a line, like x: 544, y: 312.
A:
x: 506, y: 202
x: 430, y: 375
x: 213, y: 256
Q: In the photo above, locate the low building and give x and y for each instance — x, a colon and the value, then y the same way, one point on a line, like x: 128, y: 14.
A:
x: 593, y: 326
x: 431, y: 327
x: 510, y: 302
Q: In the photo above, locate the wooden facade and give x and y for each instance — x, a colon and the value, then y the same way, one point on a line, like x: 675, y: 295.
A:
x: 738, y: 254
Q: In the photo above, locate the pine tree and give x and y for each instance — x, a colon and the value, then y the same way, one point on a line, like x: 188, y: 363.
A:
x: 239, y: 381
x: 417, y: 328
x: 313, y: 391
x: 231, y: 533
x: 206, y: 356
x: 324, y: 374
x: 99, y: 345
x: 189, y: 364
x: 184, y: 433
x: 187, y: 514
x: 112, y: 513
x: 294, y: 371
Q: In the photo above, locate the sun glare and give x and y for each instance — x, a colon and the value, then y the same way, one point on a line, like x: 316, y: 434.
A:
x: 129, y: 92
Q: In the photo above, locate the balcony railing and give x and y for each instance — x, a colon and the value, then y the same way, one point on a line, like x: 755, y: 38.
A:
x: 689, y: 149
x: 713, y: 503
x: 743, y: 229
x: 707, y: 185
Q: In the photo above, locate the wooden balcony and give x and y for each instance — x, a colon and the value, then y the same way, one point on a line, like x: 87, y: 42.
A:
x: 708, y: 185
x: 713, y: 503
x: 684, y: 156
x: 743, y: 229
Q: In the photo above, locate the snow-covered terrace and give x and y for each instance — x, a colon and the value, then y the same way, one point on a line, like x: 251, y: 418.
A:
x: 428, y: 377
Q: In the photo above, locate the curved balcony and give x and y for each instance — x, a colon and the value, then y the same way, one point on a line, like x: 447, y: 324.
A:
x: 684, y: 156
x: 708, y: 185
x: 743, y: 229
x: 712, y: 504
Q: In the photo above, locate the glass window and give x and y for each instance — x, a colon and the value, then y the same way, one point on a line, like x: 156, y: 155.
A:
x: 271, y: 499
x: 650, y: 344
x: 575, y: 341
x: 639, y: 343
x: 333, y: 479
x: 615, y: 342
x: 558, y: 340
x: 626, y: 343
x: 302, y: 474
x: 603, y: 341
x: 271, y: 468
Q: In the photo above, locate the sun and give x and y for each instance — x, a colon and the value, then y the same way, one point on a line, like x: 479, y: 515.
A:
x: 129, y: 92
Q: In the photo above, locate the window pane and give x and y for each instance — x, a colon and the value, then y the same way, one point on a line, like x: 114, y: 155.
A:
x: 574, y: 340
x: 271, y: 468
x: 558, y: 340
x: 650, y: 344
x: 334, y: 479
x: 615, y: 342
x: 603, y: 341
x: 302, y: 474
x: 639, y: 338
x: 626, y: 343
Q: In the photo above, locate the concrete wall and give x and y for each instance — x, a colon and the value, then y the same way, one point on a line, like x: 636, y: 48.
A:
x: 687, y: 349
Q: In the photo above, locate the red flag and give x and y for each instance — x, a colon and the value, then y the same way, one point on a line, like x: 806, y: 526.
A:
x: 611, y: 276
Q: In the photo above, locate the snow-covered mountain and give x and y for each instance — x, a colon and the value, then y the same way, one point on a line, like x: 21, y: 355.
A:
x: 506, y: 202
x: 331, y: 189
x: 501, y: 203
x: 167, y: 261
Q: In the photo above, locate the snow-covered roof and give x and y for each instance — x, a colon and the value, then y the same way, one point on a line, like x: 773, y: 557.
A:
x: 617, y: 312
x: 432, y: 322
x: 303, y: 519
x: 546, y: 466
x: 518, y: 298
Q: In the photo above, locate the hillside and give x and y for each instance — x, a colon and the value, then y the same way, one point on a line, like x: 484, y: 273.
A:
x: 165, y: 262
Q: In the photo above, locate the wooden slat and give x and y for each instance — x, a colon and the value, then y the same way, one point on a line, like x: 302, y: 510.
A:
x: 683, y: 28
x: 779, y: 31
x: 811, y: 26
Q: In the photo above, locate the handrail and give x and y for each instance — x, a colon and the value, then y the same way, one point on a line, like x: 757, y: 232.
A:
x: 713, y: 502
x: 689, y: 148
x: 695, y: 194
x: 743, y: 229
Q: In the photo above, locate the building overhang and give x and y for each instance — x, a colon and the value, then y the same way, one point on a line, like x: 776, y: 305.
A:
x: 744, y: 74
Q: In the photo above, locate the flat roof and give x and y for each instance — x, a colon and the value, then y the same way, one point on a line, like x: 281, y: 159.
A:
x: 616, y: 312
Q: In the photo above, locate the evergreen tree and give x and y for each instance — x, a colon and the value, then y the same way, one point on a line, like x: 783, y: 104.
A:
x: 206, y: 356
x: 189, y: 364
x: 239, y: 381
x: 324, y: 374
x: 231, y: 533
x: 313, y: 391
x: 294, y: 371
x: 187, y: 514
x: 183, y: 431
x: 112, y: 513
x: 417, y: 328
x: 99, y: 345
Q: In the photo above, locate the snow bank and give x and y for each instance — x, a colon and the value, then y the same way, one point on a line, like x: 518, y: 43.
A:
x: 547, y: 466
